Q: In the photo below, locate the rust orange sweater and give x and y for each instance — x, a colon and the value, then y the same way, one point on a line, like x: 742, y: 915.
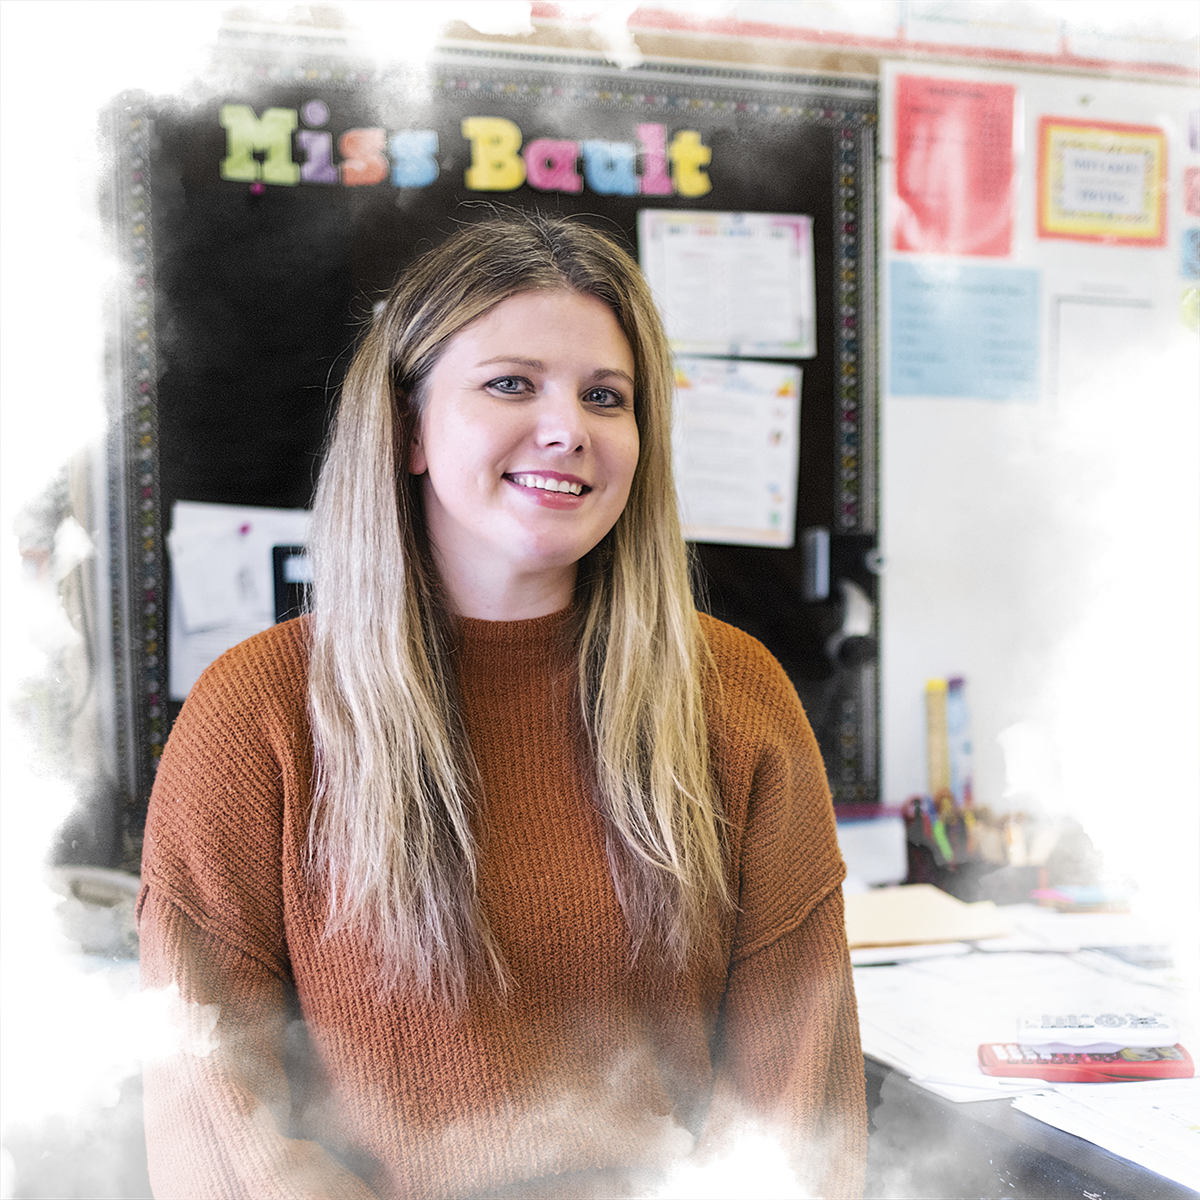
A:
x: 595, y: 1076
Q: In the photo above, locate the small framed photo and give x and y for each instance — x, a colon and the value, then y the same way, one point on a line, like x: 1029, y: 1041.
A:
x: 29, y: 576
x: 35, y: 744
x: 34, y: 432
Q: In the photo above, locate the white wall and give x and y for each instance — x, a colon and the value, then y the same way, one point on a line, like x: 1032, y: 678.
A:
x: 1047, y: 550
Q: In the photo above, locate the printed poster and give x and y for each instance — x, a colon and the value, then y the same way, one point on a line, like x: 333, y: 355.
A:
x: 732, y: 283
x: 955, y: 166
x: 964, y: 331
x: 1104, y: 358
x: 736, y: 445
x: 1102, y: 182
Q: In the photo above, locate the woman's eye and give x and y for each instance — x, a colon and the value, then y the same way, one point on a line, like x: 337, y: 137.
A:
x: 604, y: 398
x: 509, y: 385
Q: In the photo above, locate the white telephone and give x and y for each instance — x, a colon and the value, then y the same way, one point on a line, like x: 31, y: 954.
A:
x: 85, y: 906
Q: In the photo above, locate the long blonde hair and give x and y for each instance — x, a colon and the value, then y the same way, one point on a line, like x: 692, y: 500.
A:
x: 391, y: 831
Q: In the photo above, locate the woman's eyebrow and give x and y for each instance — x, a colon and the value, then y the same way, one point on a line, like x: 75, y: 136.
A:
x: 608, y: 373
x: 536, y: 364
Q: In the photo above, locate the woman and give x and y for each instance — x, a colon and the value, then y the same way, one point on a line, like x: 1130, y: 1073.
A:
x: 545, y: 861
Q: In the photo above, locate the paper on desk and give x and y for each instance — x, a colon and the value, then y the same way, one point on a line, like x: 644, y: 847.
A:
x: 1155, y: 1123
x: 927, y: 1019
x: 1038, y: 928
x: 53, y: 984
x: 870, y: 956
x: 1174, y: 976
x: 916, y: 913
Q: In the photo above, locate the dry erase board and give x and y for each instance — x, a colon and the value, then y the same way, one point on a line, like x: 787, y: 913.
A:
x: 1039, y: 432
x: 259, y: 219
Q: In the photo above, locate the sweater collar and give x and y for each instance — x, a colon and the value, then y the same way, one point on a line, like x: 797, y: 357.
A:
x: 497, y: 648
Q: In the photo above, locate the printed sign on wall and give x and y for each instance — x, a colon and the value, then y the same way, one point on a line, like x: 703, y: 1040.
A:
x: 955, y: 166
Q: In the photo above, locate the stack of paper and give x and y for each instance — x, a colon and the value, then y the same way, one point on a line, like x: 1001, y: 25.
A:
x: 1038, y: 928
x: 916, y: 913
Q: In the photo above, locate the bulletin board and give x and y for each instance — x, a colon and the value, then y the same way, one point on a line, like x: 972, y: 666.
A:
x: 1039, y: 426
x: 260, y: 219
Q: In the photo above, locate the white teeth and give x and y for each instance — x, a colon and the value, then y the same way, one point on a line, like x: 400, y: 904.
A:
x: 548, y: 485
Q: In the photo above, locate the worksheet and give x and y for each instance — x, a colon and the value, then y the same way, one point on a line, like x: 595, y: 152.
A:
x: 737, y: 450
x: 732, y: 283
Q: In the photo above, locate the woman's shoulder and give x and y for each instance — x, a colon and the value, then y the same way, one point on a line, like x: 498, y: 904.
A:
x: 754, y: 713
x: 250, y: 702
x: 271, y: 666
x: 746, y: 669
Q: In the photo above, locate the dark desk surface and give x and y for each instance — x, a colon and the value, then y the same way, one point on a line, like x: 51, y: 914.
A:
x: 924, y: 1146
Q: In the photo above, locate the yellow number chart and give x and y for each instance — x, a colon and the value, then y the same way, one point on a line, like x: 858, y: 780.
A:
x: 1170, y: 732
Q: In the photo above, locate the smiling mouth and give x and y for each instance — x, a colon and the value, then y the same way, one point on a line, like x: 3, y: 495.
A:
x: 546, y: 484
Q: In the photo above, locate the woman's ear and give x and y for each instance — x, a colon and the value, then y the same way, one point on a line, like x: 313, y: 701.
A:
x: 417, y: 464
x: 408, y: 425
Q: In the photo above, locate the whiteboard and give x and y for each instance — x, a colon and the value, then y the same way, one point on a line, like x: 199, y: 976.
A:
x: 1013, y: 529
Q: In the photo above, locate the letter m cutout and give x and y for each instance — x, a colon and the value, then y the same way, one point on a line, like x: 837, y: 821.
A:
x: 269, y: 135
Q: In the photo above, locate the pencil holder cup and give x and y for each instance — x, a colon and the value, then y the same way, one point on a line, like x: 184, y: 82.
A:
x: 928, y: 864
x: 964, y: 874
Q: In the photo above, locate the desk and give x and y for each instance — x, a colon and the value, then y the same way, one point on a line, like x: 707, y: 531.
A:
x: 924, y: 1146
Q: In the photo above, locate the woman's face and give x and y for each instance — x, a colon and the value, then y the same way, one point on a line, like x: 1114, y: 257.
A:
x: 527, y: 443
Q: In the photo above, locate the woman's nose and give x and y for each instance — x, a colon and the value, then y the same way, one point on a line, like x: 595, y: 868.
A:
x: 561, y: 424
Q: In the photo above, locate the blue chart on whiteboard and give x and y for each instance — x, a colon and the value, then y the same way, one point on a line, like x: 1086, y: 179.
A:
x: 964, y: 331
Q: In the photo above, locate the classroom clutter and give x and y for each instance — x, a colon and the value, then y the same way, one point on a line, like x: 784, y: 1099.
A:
x: 977, y: 852
x: 1095, y: 898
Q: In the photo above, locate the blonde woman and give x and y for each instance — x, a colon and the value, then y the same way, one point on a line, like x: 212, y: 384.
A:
x: 544, y: 860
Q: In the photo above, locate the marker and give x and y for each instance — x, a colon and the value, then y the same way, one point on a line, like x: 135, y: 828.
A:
x: 939, y: 836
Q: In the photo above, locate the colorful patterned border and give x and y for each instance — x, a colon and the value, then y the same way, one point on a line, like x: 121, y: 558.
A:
x: 848, y: 106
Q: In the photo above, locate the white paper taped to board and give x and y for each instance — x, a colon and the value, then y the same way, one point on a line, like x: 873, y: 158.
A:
x: 222, y: 579
x: 736, y: 443
x: 732, y: 283
x: 1103, y: 354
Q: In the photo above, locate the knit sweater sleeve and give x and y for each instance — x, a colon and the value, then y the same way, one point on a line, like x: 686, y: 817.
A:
x: 211, y: 925
x: 787, y: 1057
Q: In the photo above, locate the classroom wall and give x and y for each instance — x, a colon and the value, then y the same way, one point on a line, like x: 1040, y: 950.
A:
x: 1091, y: 702
x: 1044, y: 548
x: 21, y: 808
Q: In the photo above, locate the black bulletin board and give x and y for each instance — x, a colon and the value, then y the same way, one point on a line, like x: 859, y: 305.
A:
x: 241, y: 301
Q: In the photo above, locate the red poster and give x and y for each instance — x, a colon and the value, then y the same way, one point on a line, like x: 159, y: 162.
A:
x: 955, y: 171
